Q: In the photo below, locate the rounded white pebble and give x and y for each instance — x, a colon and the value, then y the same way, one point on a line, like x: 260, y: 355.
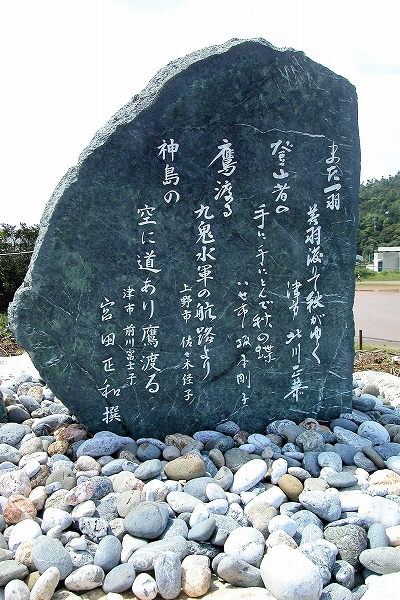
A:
x: 45, y: 586
x: 288, y: 574
x: 85, y: 578
x: 145, y: 587
x: 272, y: 495
x: 16, y: 590
x: 200, y: 513
x: 284, y: 523
x: 215, y: 492
x: 393, y: 534
x: 86, y: 509
x: 279, y: 468
x: 245, y: 543
x: 32, y: 467
x: 24, y: 530
x: 248, y: 475
x: 218, y: 507
x: 78, y: 544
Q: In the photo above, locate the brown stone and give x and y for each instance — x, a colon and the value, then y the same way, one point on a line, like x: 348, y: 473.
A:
x: 217, y: 457
x: 18, y: 508
x: 393, y: 430
x: 32, y: 579
x: 185, y: 468
x: 370, y: 388
x: 384, y: 477
x: 36, y: 392
x: 57, y: 447
x: 71, y: 433
x: 309, y: 424
x: 23, y: 554
x: 260, y: 515
x: 291, y: 486
x: 180, y: 440
x: 126, y: 481
x: 276, y: 439
x: 241, y: 437
x: 41, y: 477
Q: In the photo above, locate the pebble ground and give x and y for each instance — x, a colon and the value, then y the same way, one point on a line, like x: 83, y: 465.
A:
x: 308, y: 511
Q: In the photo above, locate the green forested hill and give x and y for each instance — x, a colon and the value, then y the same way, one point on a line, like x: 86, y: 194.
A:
x: 379, y: 215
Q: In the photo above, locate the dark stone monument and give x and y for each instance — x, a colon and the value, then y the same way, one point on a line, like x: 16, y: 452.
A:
x: 197, y: 265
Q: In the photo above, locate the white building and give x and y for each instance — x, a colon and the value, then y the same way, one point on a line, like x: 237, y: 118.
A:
x: 387, y: 258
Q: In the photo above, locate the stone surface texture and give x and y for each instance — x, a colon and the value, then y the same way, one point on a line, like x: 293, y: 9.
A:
x: 135, y: 284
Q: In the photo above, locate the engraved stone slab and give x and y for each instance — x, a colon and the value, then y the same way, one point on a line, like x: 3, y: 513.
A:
x: 197, y: 265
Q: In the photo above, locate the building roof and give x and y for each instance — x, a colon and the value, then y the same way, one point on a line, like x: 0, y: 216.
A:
x: 389, y: 249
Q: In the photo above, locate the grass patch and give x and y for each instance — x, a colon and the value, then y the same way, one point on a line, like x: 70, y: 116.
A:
x: 374, y: 276
x: 8, y: 343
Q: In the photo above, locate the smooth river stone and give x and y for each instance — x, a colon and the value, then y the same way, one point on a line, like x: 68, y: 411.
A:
x: 148, y: 520
x: 375, y: 509
x: 144, y: 587
x: 11, y: 569
x: 48, y: 552
x: 246, y: 543
x: 239, y: 573
x: 167, y: 573
x: 248, y: 476
x: 301, y: 578
x: 196, y: 575
x: 45, y: 586
x: 189, y: 466
x: 143, y: 558
x: 324, y: 505
x: 381, y: 560
x: 119, y: 579
x: 85, y: 578
x: 17, y: 590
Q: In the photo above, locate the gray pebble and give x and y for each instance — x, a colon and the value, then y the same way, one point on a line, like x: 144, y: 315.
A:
x: 11, y: 569
x: 381, y: 560
x: 149, y: 469
x: 341, y: 480
x: 95, y: 528
x: 167, y: 573
x: 345, y: 424
x: 143, y: 558
x: 376, y: 536
x: 49, y: 552
x: 239, y: 573
x: 228, y: 428
x: 350, y: 540
x: 147, y: 451
x: 344, y: 572
x: 9, y: 454
x: 310, y: 463
x: 148, y: 520
x: 119, y: 579
x: 346, y: 452
x: 201, y: 532
x: 324, y: 505
x: 224, y: 525
x: 108, y: 553
x: 335, y: 591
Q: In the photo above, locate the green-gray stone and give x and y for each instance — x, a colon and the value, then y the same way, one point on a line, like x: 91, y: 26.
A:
x: 154, y: 304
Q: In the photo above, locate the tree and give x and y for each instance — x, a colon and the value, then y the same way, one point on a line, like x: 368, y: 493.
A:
x: 379, y: 215
x: 16, y: 247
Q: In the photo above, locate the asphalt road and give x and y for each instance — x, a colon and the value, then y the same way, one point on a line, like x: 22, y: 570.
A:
x: 377, y: 313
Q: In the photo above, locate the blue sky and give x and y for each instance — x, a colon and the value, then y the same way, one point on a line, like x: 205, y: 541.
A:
x: 68, y: 65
